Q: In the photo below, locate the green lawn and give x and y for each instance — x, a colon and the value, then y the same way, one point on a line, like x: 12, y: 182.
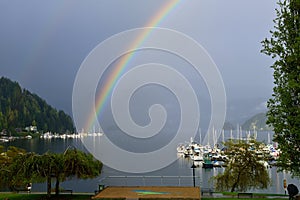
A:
x: 24, y: 196
x: 255, y: 194
x: 242, y: 198
x: 13, y: 196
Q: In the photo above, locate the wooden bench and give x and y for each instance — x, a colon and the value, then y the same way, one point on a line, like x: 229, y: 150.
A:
x: 245, y: 194
x: 207, y: 191
x: 297, y: 197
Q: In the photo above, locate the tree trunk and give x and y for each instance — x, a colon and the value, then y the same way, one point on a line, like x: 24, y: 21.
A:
x: 49, y: 186
x: 233, y: 187
x: 57, y: 186
x: 236, y: 182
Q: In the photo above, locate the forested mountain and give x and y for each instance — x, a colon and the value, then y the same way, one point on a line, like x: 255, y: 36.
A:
x: 258, y: 121
x: 19, y: 109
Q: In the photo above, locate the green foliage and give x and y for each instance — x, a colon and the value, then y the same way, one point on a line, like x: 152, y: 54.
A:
x: 284, y: 109
x: 20, y: 108
x: 81, y: 165
x: 87, y: 197
x: 10, y: 170
x: 13, y: 196
x: 71, y: 163
x: 245, y: 167
x: 21, y: 196
x: 19, y: 167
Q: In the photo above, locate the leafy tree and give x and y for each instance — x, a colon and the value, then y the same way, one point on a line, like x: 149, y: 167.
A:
x: 80, y: 164
x: 33, y: 123
x: 10, y: 167
x: 284, y: 106
x: 43, y: 168
x: 71, y: 163
x: 19, y: 173
x: 19, y: 167
x: 76, y: 163
x: 245, y: 167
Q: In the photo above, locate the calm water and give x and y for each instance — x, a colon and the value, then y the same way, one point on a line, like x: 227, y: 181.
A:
x: 181, y: 167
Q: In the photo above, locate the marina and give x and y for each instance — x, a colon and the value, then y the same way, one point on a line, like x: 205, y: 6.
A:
x: 49, y: 135
x: 208, y: 157
x: 178, y: 173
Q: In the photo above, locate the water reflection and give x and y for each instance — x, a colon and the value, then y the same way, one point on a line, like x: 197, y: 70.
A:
x: 181, y: 167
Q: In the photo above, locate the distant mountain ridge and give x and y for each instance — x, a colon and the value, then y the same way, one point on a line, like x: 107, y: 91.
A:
x: 19, y: 108
x: 257, y: 122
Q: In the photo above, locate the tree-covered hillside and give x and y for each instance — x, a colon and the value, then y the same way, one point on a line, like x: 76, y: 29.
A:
x: 257, y: 122
x: 19, y: 109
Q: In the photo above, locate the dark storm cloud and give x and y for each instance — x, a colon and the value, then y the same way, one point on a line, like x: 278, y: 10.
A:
x: 42, y: 44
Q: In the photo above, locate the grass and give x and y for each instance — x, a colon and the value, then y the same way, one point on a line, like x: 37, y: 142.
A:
x: 240, y: 198
x: 14, y: 196
x: 255, y: 194
x: 24, y: 196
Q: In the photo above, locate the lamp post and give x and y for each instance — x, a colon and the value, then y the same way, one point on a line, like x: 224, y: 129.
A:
x: 193, y: 167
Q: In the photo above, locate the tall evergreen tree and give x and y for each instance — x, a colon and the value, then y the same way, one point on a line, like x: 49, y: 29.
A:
x: 284, y: 106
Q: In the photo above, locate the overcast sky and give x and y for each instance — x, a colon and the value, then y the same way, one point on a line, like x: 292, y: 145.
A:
x: 43, y: 43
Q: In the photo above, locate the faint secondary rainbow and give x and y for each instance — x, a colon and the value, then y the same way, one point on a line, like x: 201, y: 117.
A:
x: 121, y: 65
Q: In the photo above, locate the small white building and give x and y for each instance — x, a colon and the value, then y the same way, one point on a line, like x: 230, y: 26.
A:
x: 31, y: 128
